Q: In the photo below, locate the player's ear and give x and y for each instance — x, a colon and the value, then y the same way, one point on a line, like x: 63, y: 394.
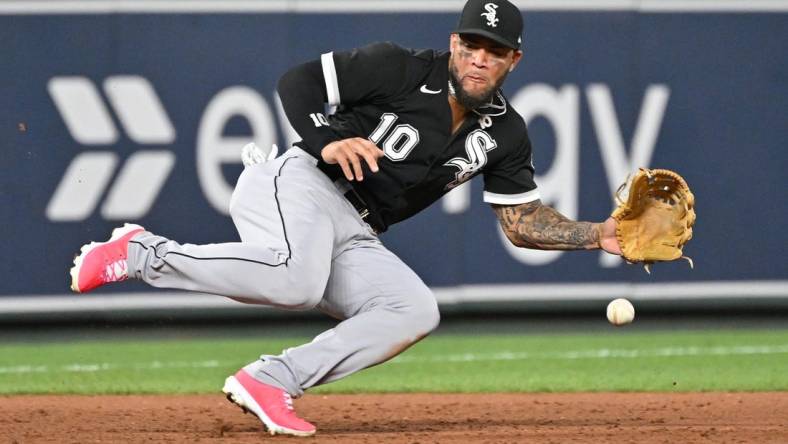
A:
x: 516, y: 59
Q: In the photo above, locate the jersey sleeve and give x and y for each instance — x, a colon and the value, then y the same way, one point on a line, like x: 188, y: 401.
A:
x: 511, y: 180
x: 372, y: 73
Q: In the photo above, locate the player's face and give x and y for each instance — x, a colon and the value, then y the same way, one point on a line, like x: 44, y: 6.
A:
x: 479, y: 66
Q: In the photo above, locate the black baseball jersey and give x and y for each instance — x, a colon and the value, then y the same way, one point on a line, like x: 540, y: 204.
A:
x: 398, y: 99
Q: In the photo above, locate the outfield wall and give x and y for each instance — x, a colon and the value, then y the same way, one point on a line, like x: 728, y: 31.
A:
x: 118, y: 111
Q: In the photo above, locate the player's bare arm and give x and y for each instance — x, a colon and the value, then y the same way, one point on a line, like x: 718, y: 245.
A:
x: 348, y: 153
x: 536, y: 226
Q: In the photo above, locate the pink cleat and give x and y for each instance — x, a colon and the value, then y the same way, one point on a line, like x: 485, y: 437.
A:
x: 100, y: 263
x: 272, y: 405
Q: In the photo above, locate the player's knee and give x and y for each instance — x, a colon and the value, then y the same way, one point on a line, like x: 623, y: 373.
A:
x: 235, y: 197
x: 305, y: 301
x: 431, y: 317
x: 236, y: 207
x: 423, y: 317
x: 298, y: 291
x: 305, y: 293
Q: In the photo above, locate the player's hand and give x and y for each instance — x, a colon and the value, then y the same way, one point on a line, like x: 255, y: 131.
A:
x: 349, y: 153
x: 607, y: 237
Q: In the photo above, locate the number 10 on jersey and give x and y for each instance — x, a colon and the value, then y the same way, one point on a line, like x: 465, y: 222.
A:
x: 319, y: 119
x: 399, y: 142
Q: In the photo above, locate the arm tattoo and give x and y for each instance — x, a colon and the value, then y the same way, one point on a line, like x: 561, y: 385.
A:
x: 533, y: 225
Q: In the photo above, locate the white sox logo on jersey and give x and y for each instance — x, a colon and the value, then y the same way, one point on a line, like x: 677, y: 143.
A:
x: 477, y: 144
x: 490, y: 15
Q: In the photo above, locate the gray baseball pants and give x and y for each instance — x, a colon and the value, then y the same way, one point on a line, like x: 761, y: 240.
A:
x: 303, y: 246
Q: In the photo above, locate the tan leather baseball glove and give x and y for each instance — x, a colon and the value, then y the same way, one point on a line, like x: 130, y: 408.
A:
x: 655, y: 220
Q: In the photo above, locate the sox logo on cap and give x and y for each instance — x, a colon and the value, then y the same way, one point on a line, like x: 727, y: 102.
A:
x: 490, y: 15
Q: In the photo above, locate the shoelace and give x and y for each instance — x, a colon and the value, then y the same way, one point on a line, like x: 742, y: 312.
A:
x: 288, y: 401
x: 116, y: 271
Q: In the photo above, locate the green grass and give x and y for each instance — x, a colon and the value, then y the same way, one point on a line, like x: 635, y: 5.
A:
x: 741, y: 360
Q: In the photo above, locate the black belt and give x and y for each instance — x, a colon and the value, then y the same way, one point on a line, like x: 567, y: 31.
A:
x: 363, y: 210
x: 352, y: 196
x: 358, y: 203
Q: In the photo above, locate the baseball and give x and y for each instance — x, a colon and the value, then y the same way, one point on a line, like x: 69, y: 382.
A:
x: 620, y: 312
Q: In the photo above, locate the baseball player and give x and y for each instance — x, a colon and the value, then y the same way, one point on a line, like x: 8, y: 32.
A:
x: 408, y: 127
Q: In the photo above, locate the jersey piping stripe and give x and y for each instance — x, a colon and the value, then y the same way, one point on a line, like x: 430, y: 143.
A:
x: 511, y: 199
x: 330, y: 74
x: 284, y: 231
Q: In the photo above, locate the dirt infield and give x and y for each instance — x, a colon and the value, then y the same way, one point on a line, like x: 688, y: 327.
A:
x: 404, y: 418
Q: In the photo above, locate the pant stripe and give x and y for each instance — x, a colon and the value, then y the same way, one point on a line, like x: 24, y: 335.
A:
x: 279, y: 209
x: 284, y: 231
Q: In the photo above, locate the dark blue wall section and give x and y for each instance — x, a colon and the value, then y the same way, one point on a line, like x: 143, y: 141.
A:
x: 725, y: 127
